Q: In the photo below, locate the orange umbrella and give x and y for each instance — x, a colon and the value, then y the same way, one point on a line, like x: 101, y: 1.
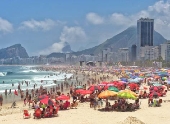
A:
x: 107, y: 93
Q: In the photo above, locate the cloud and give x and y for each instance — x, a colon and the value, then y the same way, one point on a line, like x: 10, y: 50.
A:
x: 73, y: 34
x: 56, y: 47
x: 45, y: 25
x: 94, y: 18
x: 5, y: 26
x: 119, y: 19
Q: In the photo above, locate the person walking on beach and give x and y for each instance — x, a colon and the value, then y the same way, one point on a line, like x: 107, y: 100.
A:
x: 9, y: 92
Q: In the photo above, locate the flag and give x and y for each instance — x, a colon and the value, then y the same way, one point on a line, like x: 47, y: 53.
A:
x: 16, y: 93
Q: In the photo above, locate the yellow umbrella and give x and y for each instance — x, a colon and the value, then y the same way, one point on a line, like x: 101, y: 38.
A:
x: 107, y: 93
x: 129, y: 91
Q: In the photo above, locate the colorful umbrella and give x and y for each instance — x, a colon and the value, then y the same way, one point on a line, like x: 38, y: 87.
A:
x: 111, y: 88
x: 154, y: 94
x: 83, y: 92
x: 86, y: 92
x: 129, y: 91
x: 107, y: 93
x: 48, y: 101
x: 43, y: 97
x: 62, y: 97
x: 157, y: 84
x: 79, y: 87
x: 126, y: 95
x: 79, y: 90
x: 93, y: 87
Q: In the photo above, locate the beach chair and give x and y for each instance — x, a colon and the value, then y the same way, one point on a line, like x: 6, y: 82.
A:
x: 26, y: 115
x: 37, y: 114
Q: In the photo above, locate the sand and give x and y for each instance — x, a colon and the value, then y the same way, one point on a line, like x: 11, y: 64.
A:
x: 86, y: 115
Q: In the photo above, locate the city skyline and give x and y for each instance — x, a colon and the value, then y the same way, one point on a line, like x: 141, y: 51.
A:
x: 43, y: 26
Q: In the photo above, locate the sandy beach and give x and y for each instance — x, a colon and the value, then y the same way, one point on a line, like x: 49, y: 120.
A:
x: 86, y: 115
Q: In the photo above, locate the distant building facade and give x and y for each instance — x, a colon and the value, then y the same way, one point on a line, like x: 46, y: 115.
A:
x: 145, y: 28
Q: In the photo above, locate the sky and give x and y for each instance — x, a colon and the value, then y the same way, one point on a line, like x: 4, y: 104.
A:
x: 42, y: 26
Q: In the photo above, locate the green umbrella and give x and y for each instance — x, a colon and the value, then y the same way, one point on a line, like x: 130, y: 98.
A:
x: 126, y: 95
x: 157, y: 84
x: 113, y: 89
x: 79, y: 87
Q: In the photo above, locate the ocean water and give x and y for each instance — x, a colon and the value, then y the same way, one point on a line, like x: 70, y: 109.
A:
x: 17, y: 74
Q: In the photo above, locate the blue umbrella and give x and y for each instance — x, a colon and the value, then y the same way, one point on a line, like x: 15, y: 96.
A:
x: 168, y: 82
x: 124, y: 79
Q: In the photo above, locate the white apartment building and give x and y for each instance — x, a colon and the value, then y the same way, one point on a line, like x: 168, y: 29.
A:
x: 123, y: 54
x: 149, y: 52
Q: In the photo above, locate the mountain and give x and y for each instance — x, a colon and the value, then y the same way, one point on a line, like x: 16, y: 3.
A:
x: 122, y: 40
x: 57, y: 55
x: 13, y: 51
x: 66, y: 48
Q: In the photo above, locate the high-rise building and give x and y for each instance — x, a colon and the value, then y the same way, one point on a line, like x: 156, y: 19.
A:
x: 145, y: 28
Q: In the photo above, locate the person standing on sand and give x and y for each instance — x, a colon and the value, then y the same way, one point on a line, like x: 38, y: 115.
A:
x: 5, y: 92
x: 1, y: 100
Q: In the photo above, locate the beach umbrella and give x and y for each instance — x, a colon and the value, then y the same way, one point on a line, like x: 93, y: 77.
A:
x: 164, y: 78
x: 154, y: 88
x: 168, y: 82
x: 45, y: 96
x: 85, y: 92
x: 126, y: 95
x: 48, y: 101
x: 79, y: 87
x: 62, y: 97
x: 102, y: 84
x: 154, y: 94
x: 157, y: 84
x: 148, y: 75
x: 107, y: 93
x: 79, y: 90
x: 128, y: 91
x: 124, y: 79
x: 94, y: 87
x: 133, y: 85
x: 111, y: 88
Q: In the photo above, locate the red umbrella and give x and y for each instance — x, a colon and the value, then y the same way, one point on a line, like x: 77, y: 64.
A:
x: 93, y: 87
x: 79, y: 90
x: 104, y: 82
x: 154, y: 94
x: 155, y: 88
x: 43, y: 97
x: 62, y: 97
x: 48, y: 101
x: 86, y: 92
x: 133, y: 86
